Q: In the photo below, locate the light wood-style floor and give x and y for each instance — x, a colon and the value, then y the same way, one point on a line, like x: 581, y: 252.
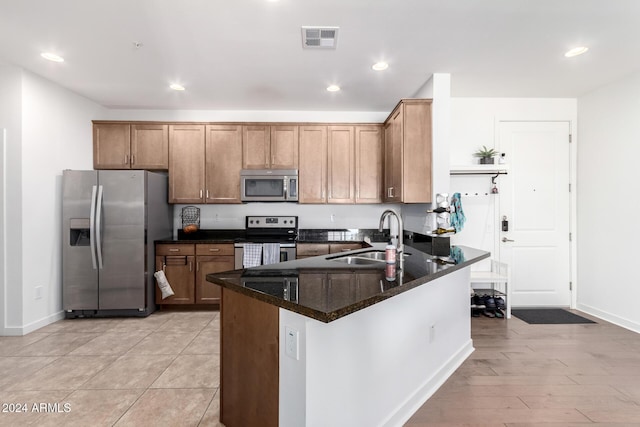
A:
x: 164, y: 370
x: 541, y: 375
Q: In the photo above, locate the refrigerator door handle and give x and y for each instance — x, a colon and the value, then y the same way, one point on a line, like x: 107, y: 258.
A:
x: 92, y: 228
x: 99, y: 226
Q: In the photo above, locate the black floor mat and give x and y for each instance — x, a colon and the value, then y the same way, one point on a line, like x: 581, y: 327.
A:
x: 548, y: 316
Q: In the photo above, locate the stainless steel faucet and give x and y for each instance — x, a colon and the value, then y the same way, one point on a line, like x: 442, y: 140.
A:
x: 400, y: 248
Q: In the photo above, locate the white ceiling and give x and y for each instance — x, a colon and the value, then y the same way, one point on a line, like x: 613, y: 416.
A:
x: 247, y: 54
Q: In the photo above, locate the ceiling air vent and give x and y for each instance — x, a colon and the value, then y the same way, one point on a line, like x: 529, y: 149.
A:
x: 319, y: 37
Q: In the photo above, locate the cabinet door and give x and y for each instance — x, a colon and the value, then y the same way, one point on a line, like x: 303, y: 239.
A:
x: 341, y: 289
x: 207, y: 292
x: 150, y: 147
x: 416, y: 152
x: 284, y: 147
x: 312, y: 174
x: 312, y: 290
x: 305, y: 250
x: 368, y: 284
x: 180, y: 275
x: 341, y: 164
x: 186, y: 163
x: 111, y: 146
x: 368, y: 175
x: 223, y: 163
x: 255, y: 147
x: 335, y: 248
x: 393, y: 157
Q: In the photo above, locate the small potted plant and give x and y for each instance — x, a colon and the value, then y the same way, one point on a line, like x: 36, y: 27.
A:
x: 486, y: 155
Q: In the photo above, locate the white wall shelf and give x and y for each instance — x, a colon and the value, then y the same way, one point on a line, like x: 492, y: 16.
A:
x: 494, y: 169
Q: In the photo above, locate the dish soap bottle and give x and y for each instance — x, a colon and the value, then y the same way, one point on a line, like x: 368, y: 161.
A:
x: 390, y: 254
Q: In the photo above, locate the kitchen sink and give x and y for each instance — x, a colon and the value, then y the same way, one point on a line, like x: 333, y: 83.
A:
x: 348, y: 259
x: 361, y: 258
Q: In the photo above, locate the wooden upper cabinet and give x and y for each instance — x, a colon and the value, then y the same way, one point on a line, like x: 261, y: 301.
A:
x: 341, y: 164
x: 186, y: 163
x: 255, y: 147
x: 408, y: 154
x: 369, y: 159
x: 150, y: 147
x: 269, y: 147
x: 393, y: 157
x: 284, y: 147
x: 417, y: 152
x: 223, y: 163
x: 111, y: 146
x: 130, y: 146
x: 312, y: 173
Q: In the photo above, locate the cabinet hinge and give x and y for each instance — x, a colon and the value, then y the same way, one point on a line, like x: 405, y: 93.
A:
x: 570, y: 237
x: 570, y: 286
x: 570, y: 138
x: 569, y: 187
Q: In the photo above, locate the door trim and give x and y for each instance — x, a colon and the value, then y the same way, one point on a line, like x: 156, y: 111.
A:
x: 573, y: 146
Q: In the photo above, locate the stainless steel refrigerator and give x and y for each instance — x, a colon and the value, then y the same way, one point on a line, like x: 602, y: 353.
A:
x: 110, y: 220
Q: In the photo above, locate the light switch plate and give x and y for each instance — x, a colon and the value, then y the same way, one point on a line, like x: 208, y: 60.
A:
x: 291, y: 342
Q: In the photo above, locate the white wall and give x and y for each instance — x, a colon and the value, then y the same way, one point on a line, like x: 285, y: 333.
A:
x: 49, y: 130
x: 10, y: 198
x: 377, y: 366
x: 246, y: 116
x: 474, y: 123
x: 608, y: 230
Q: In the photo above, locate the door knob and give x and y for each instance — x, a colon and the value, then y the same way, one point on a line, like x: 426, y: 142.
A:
x: 505, y: 240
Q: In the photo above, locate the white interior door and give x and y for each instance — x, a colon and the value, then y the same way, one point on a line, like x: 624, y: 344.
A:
x: 535, y: 199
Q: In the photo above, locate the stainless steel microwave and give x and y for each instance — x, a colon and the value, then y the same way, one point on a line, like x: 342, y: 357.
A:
x: 269, y: 185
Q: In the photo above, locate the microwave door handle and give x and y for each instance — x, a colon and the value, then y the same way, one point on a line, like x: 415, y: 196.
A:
x: 284, y: 185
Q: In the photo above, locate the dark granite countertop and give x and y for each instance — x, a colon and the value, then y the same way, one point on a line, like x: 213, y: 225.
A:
x: 326, y: 289
x: 310, y: 235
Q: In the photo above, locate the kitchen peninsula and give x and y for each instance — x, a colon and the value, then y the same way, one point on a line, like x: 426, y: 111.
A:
x: 341, y: 339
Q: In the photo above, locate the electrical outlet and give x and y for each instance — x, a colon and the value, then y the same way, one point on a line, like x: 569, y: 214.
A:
x: 333, y: 218
x: 39, y: 292
x: 291, y: 342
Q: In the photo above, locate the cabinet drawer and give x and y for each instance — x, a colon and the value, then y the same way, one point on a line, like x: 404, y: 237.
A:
x: 175, y: 249
x: 312, y: 249
x: 343, y: 247
x: 215, y: 249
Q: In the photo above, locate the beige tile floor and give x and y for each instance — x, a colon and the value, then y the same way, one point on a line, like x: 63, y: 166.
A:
x: 164, y: 370
x: 160, y: 370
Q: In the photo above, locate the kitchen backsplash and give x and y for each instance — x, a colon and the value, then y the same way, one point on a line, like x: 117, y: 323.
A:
x: 309, y: 216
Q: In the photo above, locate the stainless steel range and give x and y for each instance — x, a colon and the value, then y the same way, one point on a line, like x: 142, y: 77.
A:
x: 282, y: 230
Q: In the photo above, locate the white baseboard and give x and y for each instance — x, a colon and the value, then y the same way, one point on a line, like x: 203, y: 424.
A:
x: 609, y: 317
x: 414, y: 402
x: 17, y: 331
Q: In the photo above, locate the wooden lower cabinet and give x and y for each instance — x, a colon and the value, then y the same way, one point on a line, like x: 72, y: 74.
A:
x: 335, y: 248
x: 186, y: 267
x: 179, y: 272
x: 306, y: 250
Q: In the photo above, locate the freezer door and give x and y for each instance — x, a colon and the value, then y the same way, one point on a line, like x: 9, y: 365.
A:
x: 79, y: 277
x: 120, y: 218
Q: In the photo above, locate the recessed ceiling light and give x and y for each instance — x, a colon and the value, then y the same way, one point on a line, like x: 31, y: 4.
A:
x: 576, y: 51
x: 52, y: 57
x: 333, y: 88
x: 380, y: 66
x: 176, y: 86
